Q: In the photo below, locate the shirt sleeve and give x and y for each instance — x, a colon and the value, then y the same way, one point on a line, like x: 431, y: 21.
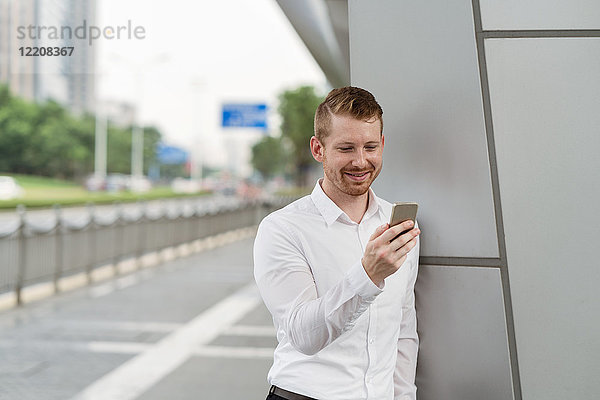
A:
x: 408, y: 340
x: 287, y: 286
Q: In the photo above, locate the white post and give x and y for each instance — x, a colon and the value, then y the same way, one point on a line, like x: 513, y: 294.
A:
x: 198, y: 86
x: 137, y: 151
x: 100, y: 145
x: 137, y: 133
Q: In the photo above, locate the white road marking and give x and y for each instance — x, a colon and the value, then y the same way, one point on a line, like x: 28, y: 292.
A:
x: 138, y: 348
x: 251, y: 330
x: 134, y: 326
x: 118, y: 347
x: 93, y: 347
x: 235, y: 352
x: 136, y: 375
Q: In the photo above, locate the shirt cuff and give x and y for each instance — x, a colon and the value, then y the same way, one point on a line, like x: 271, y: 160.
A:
x: 362, y: 284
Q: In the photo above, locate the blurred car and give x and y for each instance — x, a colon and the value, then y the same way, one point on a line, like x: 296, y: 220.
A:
x: 116, y: 182
x: 181, y: 185
x: 9, y: 188
x: 94, y: 183
x: 139, y: 184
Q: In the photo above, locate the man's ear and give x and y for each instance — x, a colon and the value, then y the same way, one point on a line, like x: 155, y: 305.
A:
x: 316, y: 148
x: 382, y: 141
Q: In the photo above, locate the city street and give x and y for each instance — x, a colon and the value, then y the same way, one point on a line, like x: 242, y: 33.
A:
x: 192, y: 328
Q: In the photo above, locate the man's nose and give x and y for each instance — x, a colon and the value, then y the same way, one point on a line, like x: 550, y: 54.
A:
x: 360, y: 160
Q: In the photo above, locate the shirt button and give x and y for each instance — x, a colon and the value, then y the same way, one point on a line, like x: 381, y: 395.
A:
x: 371, y: 341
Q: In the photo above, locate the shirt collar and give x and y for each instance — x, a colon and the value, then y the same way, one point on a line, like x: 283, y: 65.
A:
x: 331, y: 212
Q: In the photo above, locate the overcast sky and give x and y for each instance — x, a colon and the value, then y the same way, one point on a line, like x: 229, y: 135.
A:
x: 196, y: 55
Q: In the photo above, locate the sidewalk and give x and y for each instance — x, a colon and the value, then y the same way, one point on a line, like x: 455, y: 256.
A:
x: 193, y: 328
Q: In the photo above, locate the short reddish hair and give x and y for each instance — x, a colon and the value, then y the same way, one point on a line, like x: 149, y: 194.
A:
x: 353, y: 101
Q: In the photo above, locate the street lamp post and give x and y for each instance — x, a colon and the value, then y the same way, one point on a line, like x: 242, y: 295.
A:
x: 100, y: 137
x: 137, y: 132
x: 100, y: 145
x: 137, y: 151
x: 199, y: 86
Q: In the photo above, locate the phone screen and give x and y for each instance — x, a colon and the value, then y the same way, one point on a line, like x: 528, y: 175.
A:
x: 402, y: 212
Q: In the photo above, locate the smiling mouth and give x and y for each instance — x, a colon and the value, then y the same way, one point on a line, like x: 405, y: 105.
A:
x: 357, y: 176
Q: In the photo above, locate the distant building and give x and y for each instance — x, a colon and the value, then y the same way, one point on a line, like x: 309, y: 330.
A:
x: 69, y: 80
x: 81, y: 69
x: 16, y: 71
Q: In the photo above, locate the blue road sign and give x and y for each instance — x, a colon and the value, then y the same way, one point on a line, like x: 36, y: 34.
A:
x: 237, y: 115
x: 171, y: 154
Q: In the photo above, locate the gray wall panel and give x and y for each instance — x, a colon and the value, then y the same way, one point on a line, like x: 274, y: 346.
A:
x: 545, y: 105
x: 419, y: 59
x: 536, y: 14
x: 464, y: 349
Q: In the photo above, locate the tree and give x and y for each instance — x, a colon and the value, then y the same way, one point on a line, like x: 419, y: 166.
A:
x: 119, y: 148
x: 268, y: 156
x: 152, y: 137
x: 55, y: 149
x: 16, y: 131
x: 297, y: 109
x: 118, y: 154
x: 45, y: 139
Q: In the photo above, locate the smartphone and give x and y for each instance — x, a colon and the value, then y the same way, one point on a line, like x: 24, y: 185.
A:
x: 402, y: 212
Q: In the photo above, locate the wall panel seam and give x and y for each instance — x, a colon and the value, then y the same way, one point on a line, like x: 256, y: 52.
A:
x: 541, y: 33
x: 461, y: 261
x: 489, y: 132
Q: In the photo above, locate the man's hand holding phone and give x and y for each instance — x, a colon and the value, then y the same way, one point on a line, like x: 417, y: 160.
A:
x: 387, y: 249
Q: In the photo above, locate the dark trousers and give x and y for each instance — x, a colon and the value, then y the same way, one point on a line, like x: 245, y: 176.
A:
x: 285, y: 395
x: 273, y: 396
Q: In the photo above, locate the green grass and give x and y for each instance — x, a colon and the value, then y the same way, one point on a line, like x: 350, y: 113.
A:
x: 45, y: 192
x: 30, y: 181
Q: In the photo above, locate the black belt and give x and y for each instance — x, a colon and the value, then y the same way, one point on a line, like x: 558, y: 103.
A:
x: 288, y: 395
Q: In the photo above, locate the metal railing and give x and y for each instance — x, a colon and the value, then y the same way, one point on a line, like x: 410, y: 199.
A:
x: 32, y: 254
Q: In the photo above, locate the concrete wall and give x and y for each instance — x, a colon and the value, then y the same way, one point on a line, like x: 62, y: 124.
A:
x: 492, y: 122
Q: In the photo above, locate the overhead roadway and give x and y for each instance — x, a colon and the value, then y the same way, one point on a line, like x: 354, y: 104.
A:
x: 323, y: 27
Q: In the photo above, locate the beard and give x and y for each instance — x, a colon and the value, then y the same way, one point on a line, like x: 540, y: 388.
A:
x: 346, y: 184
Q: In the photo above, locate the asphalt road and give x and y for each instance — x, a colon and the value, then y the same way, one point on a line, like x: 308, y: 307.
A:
x: 192, y: 328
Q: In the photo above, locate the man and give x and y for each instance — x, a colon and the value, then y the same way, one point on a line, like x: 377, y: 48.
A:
x: 337, y: 280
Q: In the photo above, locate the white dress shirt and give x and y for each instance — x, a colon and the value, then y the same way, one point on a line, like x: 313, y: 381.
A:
x: 340, y: 336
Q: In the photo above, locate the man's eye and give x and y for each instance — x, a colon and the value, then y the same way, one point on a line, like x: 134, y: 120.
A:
x: 371, y: 148
x: 345, y: 148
